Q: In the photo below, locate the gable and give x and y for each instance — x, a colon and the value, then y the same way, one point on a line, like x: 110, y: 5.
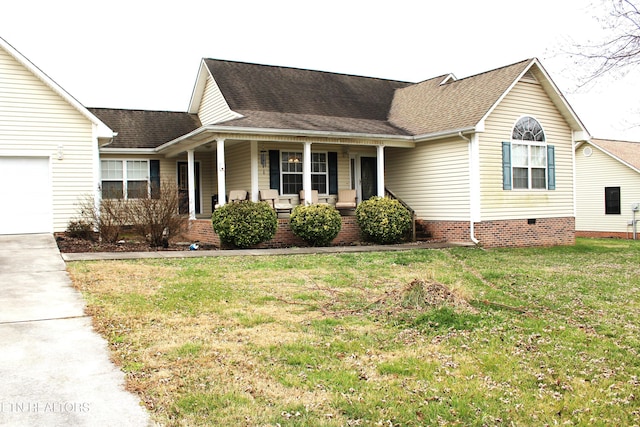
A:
x: 625, y: 152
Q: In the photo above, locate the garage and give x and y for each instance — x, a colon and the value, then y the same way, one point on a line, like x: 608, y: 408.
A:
x: 25, y: 195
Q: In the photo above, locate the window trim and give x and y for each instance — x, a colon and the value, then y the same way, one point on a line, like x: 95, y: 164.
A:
x: 124, y: 180
x: 607, y: 210
x: 294, y: 152
x: 529, y: 167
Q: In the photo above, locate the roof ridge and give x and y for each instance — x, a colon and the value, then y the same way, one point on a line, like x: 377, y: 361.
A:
x: 309, y: 70
x: 490, y: 71
x: 139, y: 110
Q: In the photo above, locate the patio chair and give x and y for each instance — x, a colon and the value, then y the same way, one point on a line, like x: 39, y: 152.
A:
x: 346, y: 199
x: 271, y: 197
x: 237, y: 195
x: 314, y: 197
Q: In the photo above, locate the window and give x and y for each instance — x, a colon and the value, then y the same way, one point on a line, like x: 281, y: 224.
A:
x: 127, y: 179
x: 612, y: 200
x: 291, y: 169
x: 291, y: 166
x: 528, y: 162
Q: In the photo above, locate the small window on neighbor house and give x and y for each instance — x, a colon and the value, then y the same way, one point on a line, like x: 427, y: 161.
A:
x: 612, y: 200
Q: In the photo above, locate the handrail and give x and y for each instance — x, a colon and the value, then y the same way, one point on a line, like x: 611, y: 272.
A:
x: 391, y: 195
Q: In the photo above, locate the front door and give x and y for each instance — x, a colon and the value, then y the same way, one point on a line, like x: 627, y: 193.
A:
x: 183, y: 187
x: 368, y: 177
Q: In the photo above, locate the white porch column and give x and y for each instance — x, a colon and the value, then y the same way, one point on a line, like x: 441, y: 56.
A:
x: 254, y: 171
x: 306, y: 171
x: 222, y: 182
x: 380, y: 170
x: 191, y: 180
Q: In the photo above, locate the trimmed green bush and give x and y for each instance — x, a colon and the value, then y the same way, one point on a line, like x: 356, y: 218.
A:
x: 383, y: 220
x: 245, y: 224
x: 318, y: 225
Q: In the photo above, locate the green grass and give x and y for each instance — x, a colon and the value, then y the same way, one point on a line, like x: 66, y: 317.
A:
x: 535, y: 336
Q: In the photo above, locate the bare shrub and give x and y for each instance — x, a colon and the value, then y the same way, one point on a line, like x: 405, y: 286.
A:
x: 107, y: 219
x: 157, y: 218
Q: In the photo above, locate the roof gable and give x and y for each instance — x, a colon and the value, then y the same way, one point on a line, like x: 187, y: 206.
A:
x: 103, y: 130
x: 626, y: 152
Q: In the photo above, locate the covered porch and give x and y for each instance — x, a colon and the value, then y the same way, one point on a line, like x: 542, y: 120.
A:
x: 211, y: 163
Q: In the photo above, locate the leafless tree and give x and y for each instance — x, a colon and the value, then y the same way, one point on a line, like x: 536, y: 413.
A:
x: 619, y: 52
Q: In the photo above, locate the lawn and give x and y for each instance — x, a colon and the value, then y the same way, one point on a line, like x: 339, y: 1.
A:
x: 459, y: 336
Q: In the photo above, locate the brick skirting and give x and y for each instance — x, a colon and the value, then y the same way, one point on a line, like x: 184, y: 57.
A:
x: 607, y: 234
x: 507, y: 233
x: 201, y: 230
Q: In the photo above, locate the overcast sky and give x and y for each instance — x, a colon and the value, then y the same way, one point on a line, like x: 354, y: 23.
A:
x: 140, y: 54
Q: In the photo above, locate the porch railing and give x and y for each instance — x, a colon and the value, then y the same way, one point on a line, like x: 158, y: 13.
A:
x: 391, y: 195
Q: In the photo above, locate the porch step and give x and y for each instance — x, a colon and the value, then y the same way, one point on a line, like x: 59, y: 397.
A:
x: 422, y: 234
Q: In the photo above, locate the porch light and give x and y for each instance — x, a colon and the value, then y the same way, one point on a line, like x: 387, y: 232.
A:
x: 294, y: 159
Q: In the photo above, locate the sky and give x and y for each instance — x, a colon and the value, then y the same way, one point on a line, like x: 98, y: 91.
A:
x: 140, y: 54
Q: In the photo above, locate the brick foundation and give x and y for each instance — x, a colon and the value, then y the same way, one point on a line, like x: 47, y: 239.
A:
x: 201, y: 230
x: 507, y: 233
x: 606, y: 234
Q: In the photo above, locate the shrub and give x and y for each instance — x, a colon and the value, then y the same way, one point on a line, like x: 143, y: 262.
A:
x: 244, y: 224
x: 318, y: 225
x: 80, y: 229
x: 383, y: 220
x: 107, y: 219
x: 156, y: 218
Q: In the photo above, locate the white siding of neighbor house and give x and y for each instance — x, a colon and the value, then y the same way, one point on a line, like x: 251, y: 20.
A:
x: 525, y: 99
x: 213, y: 106
x: 35, y: 120
x: 593, y: 174
x: 432, y: 178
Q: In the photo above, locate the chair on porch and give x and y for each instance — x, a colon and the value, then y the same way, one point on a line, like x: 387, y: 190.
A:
x: 271, y: 197
x: 237, y: 195
x: 313, y: 200
x: 347, y: 199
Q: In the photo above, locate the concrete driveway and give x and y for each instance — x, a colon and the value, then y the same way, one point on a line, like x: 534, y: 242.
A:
x: 54, y: 369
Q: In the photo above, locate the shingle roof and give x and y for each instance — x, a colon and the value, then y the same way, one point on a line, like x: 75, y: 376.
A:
x: 145, y: 129
x: 291, y: 98
x: 429, y: 106
x: 626, y: 151
x: 265, y: 88
x: 313, y: 122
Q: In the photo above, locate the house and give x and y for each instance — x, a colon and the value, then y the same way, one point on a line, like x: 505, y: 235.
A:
x: 487, y: 158
x: 607, y: 188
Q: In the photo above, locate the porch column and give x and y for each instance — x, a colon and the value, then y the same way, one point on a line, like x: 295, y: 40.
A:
x: 254, y: 171
x: 222, y: 183
x: 191, y: 179
x: 306, y: 171
x: 380, y: 170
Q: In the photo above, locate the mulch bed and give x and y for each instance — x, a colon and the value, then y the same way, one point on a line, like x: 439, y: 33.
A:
x: 68, y: 244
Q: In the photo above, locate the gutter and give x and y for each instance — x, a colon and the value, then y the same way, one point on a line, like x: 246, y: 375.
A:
x: 471, y: 225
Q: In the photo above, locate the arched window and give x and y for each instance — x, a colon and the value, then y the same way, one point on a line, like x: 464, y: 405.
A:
x: 529, y: 155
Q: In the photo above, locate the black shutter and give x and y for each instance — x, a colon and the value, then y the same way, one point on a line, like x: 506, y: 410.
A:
x: 154, y: 178
x: 333, y: 172
x: 274, y: 170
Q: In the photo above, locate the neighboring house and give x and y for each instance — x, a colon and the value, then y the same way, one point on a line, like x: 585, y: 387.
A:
x: 608, y: 188
x: 487, y: 158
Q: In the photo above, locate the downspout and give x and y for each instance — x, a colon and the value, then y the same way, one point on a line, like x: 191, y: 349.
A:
x: 472, y: 234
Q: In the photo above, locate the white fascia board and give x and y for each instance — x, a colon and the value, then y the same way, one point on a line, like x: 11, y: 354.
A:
x: 253, y: 133
x: 198, y: 88
x: 128, y: 151
x: 102, y: 130
x: 445, y: 134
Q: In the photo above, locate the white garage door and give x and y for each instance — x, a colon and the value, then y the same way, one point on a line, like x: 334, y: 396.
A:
x: 25, y: 195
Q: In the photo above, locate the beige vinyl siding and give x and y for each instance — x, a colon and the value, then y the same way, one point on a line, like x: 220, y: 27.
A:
x: 432, y: 178
x: 525, y: 99
x: 35, y: 120
x: 213, y: 107
x: 593, y: 174
x: 237, y: 156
